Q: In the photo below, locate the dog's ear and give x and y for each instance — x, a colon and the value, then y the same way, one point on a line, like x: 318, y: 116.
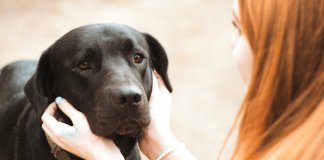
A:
x: 159, y: 59
x: 38, y: 87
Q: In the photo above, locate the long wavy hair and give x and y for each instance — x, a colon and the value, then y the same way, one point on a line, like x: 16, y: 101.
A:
x: 282, y: 115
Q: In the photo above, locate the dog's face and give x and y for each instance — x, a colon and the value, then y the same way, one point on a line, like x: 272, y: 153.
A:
x: 105, y: 71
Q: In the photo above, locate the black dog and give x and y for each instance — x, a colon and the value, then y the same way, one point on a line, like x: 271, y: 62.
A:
x: 104, y: 70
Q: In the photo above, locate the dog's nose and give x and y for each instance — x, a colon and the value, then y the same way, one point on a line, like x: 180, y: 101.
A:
x: 127, y: 96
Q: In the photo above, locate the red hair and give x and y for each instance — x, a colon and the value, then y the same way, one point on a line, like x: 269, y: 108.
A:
x: 282, y: 115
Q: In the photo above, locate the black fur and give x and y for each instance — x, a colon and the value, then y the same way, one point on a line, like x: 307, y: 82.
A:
x: 113, y: 92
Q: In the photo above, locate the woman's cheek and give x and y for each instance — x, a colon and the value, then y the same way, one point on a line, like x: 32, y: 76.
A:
x: 243, y: 58
x: 234, y: 39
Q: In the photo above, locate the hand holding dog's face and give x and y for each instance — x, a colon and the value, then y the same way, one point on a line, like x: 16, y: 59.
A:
x: 105, y: 71
x: 77, y: 139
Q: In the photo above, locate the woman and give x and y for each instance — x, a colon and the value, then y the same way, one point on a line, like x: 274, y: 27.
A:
x: 279, y: 51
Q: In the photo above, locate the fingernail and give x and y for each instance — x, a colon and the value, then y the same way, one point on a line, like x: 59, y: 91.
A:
x: 58, y: 100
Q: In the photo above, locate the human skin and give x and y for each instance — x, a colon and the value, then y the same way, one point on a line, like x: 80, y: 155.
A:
x: 77, y: 139
x: 242, y: 53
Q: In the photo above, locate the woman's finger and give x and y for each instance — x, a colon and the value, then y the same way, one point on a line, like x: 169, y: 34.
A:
x: 51, y: 123
x: 50, y: 110
x: 59, y: 141
x: 68, y: 109
x: 155, y: 81
x: 49, y: 120
x: 49, y: 132
x: 60, y: 129
x: 159, y: 81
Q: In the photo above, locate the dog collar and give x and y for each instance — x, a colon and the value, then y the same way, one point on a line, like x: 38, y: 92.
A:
x: 58, y: 153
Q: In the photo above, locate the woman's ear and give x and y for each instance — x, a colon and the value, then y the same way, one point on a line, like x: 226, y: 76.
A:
x: 159, y: 59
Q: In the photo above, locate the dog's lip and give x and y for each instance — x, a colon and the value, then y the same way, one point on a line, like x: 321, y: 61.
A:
x: 131, y: 131
x: 128, y: 127
x: 121, y: 124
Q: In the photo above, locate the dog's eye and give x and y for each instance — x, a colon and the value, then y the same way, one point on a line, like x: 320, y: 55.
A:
x: 84, y: 65
x: 138, y: 58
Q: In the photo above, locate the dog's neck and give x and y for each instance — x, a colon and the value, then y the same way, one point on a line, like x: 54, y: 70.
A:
x: 56, y: 150
x: 58, y: 153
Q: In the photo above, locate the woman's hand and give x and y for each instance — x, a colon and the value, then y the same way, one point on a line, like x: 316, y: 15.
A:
x: 160, y: 104
x: 77, y: 139
x: 158, y: 136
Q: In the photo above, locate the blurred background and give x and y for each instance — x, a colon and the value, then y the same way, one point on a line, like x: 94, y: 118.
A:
x: 195, y: 33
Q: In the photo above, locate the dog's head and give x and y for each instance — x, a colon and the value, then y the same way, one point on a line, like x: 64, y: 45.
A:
x: 104, y: 71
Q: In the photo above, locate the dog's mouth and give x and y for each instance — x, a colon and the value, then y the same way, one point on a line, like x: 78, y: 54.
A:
x: 119, y: 121
x: 129, y: 127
